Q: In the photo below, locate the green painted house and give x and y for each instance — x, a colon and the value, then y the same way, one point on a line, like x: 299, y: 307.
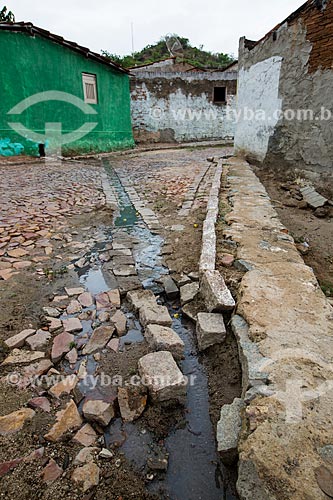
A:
x: 58, y: 94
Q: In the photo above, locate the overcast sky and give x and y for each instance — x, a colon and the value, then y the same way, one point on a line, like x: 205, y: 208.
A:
x: 106, y: 24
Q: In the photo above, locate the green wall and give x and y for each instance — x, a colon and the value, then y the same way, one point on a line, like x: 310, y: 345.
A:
x: 29, y: 65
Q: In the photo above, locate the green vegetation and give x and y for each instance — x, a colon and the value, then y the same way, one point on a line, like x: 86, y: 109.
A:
x: 152, y: 53
x: 6, y: 16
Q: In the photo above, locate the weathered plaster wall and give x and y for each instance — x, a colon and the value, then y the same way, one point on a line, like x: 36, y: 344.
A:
x: 178, y: 107
x: 258, y: 90
x: 305, y: 46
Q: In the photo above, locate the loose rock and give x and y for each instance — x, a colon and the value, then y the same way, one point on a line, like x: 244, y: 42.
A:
x: 86, y: 476
x: 19, y: 339
x: 132, y: 402
x: 151, y: 313
x: 162, y: 338
x: 14, y: 422
x: 228, y: 430
x: 68, y: 419
x: 162, y: 376
x: 99, y: 339
x: 98, y: 411
x: 210, y: 330
x: 188, y: 293
x: 61, y: 345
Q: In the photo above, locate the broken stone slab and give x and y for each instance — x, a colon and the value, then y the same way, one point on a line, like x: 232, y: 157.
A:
x: 86, y: 436
x: 163, y: 338
x: 155, y: 314
x: 39, y: 340
x: 188, y: 293
x: 124, y: 270
x: 19, y: 339
x: 62, y: 344
x: 68, y: 419
x: 132, y: 402
x: 72, y: 325
x: 194, y: 276
x: 55, y: 324
x: 104, y: 316
x: 32, y: 372
x: 215, y: 293
x: 162, y: 376
x: 126, y: 284
x: 210, y: 330
x: 98, y: 411
x: 14, y: 422
x: 99, y: 338
x: 114, y: 297
x: 120, y: 321
x: 243, y: 266
x: 65, y: 386
x: 170, y: 288
x: 86, y: 455
x: 139, y: 298
x: 312, y: 197
x: 182, y: 280
x: 74, y: 307
x: 86, y: 299
x: 72, y: 356
x: 51, y: 472
x: 123, y: 260
x: 228, y: 430
x: 52, y: 312
x: 41, y: 403
x: 103, y: 301
x: 71, y: 292
x: 86, y: 476
x: 19, y: 357
x: 252, y: 361
x: 114, y: 345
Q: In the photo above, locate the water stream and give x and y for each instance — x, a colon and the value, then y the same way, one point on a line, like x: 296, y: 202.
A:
x: 194, y: 469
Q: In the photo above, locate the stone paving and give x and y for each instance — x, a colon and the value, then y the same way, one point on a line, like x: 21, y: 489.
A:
x: 36, y: 202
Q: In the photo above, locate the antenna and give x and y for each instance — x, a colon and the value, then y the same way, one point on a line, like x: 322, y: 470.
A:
x: 174, y: 46
x: 132, y: 36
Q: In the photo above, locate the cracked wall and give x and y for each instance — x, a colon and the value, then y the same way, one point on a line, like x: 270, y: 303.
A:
x: 305, y: 47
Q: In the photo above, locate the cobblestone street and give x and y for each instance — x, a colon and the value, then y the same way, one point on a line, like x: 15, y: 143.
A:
x: 78, y: 242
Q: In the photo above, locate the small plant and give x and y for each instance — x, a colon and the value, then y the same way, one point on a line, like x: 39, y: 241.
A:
x: 327, y: 288
x: 72, y: 345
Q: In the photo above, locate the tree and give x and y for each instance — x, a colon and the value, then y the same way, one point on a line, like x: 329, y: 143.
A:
x: 198, y: 57
x: 6, y: 16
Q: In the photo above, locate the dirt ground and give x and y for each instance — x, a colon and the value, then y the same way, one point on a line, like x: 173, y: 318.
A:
x: 303, y: 225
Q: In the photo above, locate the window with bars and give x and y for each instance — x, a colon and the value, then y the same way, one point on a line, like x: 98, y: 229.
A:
x: 89, y: 88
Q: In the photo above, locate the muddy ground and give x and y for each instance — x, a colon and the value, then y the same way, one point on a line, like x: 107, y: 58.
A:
x: 304, y: 225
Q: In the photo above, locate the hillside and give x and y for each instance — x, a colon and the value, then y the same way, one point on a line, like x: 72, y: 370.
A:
x: 193, y: 55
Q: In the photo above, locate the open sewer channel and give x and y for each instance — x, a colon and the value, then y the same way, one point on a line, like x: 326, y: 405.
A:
x: 194, y: 469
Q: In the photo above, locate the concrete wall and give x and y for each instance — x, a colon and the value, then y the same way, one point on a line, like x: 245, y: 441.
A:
x: 290, y: 69
x: 177, y: 107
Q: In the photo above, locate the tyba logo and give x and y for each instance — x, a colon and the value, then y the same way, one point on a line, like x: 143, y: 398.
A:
x: 53, y: 130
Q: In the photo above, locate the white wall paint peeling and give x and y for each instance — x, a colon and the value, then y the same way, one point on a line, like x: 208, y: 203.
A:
x: 190, y: 116
x: 258, y: 106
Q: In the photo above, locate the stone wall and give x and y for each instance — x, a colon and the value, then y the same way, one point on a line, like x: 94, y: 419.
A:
x: 178, y: 107
x: 288, y: 76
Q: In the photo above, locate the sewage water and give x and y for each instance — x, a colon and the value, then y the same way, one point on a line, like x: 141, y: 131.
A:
x: 194, y: 468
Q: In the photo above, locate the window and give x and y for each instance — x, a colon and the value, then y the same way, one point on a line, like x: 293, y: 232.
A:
x: 89, y: 88
x: 220, y: 94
